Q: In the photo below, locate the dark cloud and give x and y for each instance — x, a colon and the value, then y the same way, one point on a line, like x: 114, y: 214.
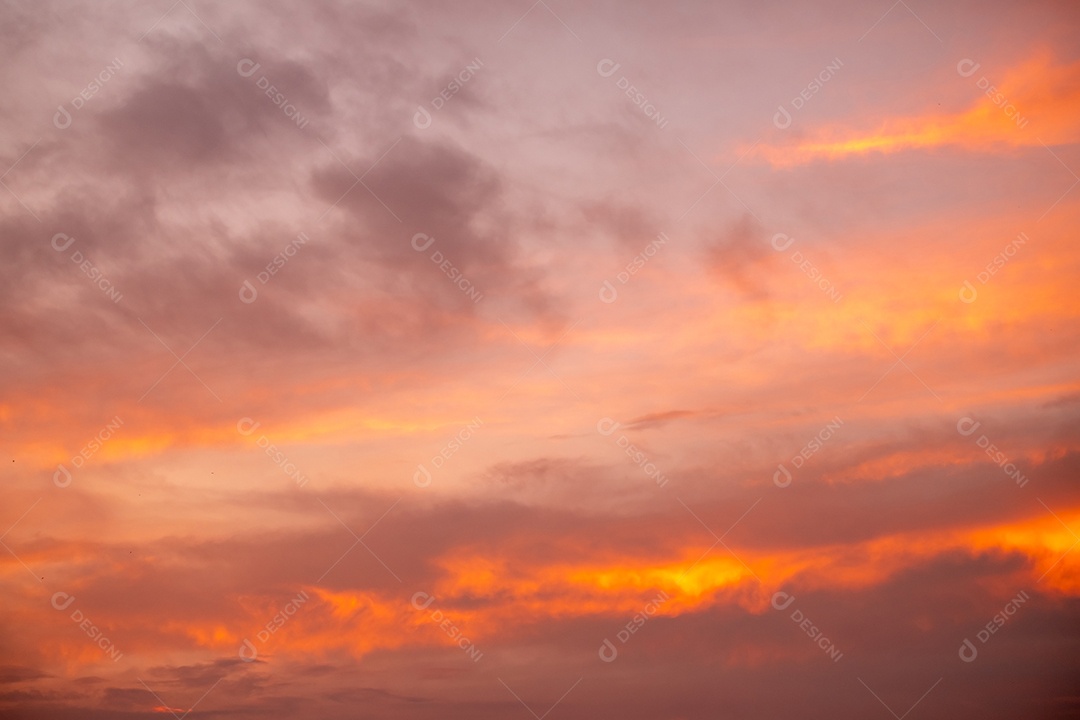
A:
x: 742, y: 257
x: 658, y: 419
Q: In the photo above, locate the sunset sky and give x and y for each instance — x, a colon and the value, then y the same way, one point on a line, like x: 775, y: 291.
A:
x: 573, y: 360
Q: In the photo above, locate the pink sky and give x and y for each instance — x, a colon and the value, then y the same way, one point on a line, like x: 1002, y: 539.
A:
x: 564, y: 360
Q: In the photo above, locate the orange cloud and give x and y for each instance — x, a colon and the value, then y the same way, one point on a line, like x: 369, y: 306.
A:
x: 1035, y: 103
x: 491, y: 597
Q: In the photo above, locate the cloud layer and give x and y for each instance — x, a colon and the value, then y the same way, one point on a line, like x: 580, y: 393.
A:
x: 559, y: 360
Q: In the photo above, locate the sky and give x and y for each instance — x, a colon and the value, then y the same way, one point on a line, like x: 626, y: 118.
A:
x: 661, y: 361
